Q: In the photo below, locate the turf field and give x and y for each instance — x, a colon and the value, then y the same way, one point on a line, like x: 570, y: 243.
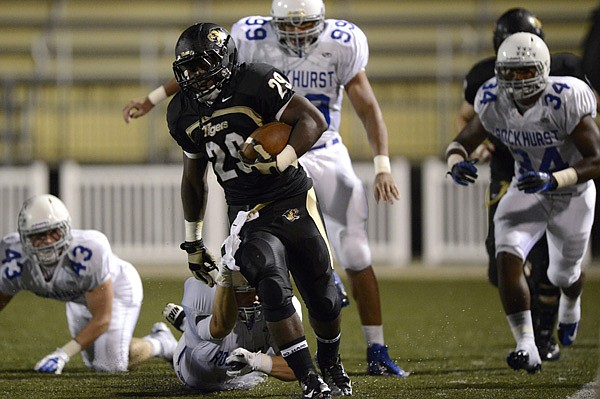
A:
x: 449, y: 332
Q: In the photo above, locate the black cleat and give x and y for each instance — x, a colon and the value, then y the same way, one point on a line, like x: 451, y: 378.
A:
x: 519, y: 360
x: 548, y: 348
x: 336, y: 377
x: 313, y: 387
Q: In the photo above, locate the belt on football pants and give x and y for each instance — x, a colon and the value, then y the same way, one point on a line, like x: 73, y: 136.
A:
x: 331, y: 142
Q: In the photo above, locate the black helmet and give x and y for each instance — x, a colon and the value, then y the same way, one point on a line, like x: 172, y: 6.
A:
x: 205, y: 58
x: 513, y: 21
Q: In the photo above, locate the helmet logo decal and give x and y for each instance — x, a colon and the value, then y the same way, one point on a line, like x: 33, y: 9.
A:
x: 217, y: 36
x: 292, y: 214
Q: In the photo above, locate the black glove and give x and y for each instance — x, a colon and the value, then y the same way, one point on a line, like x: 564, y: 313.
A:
x: 201, y: 262
x: 464, y: 172
x: 537, y: 182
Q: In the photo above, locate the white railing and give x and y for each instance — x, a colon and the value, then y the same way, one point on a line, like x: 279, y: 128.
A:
x: 454, y: 217
x: 139, y: 209
x: 17, y: 183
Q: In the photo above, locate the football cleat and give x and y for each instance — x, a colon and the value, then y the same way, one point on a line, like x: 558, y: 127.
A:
x: 168, y: 343
x: 341, y: 290
x: 519, y: 360
x: 547, y: 346
x: 379, y: 362
x: 567, y: 332
x: 336, y: 377
x: 313, y: 386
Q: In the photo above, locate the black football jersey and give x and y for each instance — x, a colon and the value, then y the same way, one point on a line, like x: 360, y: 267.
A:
x: 502, y: 162
x: 252, y: 98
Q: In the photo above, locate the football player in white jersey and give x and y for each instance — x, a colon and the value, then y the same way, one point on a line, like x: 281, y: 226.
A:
x: 322, y: 58
x: 211, y: 358
x: 547, y: 123
x: 103, y: 293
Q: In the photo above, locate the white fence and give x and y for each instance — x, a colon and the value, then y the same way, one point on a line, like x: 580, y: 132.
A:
x: 139, y: 209
x: 454, y: 217
x: 17, y: 183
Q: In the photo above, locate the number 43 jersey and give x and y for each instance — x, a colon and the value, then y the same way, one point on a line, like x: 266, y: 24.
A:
x: 539, y: 140
x: 340, y: 52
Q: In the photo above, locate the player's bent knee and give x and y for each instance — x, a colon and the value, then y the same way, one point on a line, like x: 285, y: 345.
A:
x: 262, y: 257
x: 355, y: 253
x: 564, y: 278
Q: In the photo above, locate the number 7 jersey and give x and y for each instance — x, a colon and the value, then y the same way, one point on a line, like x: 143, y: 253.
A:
x: 540, y: 138
x: 320, y: 75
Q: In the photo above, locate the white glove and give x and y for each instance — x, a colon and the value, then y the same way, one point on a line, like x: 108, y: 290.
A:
x: 174, y: 315
x: 53, y: 363
x: 242, y: 362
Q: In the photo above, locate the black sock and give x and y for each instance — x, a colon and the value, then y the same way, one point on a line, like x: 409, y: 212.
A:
x: 297, y: 356
x: 327, y: 349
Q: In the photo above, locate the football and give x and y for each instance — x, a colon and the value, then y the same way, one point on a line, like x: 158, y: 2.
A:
x: 268, y: 140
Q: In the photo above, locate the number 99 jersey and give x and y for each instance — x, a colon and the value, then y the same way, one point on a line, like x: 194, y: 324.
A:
x: 540, y: 139
x: 340, y: 52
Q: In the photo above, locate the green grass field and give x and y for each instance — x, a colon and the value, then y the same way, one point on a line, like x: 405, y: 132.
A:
x: 450, y: 333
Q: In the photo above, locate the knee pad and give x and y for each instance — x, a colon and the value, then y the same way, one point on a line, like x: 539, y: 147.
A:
x: 354, y: 252
x: 564, y: 278
x: 263, y: 263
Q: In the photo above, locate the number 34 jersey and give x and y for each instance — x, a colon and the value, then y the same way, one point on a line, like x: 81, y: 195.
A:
x: 320, y: 75
x: 539, y: 140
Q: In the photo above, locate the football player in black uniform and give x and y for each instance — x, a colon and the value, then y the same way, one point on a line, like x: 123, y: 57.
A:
x: 544, y: 296
x: 220, y: 104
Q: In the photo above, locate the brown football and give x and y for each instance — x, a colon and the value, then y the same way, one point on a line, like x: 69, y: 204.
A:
x: 269, y: 139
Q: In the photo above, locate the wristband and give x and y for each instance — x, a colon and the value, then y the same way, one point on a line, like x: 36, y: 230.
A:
x: 193, y: 230
x: 263, y: 363
x: 453, y: 159
x: 456, y: 148
x: 71, y: 348
x: 565, y: 177
x: 382, y: 164
x: 157, y: 95
x: 286, y: 157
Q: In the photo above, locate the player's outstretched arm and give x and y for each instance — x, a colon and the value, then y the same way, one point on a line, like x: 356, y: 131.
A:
x: 140, y: 107
x: 242, y: 361
x: 99, y: 303
x: 367, y: 108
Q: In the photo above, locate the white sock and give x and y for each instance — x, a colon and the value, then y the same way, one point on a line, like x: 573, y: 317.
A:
x: 156, y: 345
x: 521, y: 326
x: 373, y: 335
x: 569, y: 310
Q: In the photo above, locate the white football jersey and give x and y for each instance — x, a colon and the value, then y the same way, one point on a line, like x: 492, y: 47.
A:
x: 540, y: 139
x: 340, y: 53
x: 88, y: 263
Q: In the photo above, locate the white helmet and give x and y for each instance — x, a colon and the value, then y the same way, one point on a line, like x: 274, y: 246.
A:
x: 40, y: 214
x: 292, y: 14
x: 522, y: 50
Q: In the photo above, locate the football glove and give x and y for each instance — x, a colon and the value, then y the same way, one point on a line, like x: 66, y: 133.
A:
x: 201, y: 262
x: 53, y: 363
x: 174, y: 315
x: 464, y: 172
x: 537, y: 182
x: 261, y: 165
x: 242, y: 362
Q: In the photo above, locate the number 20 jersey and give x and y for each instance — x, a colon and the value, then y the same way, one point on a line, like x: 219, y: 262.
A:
x: 340, y: 53
x: 539, y: 140
x: 254, y: 96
